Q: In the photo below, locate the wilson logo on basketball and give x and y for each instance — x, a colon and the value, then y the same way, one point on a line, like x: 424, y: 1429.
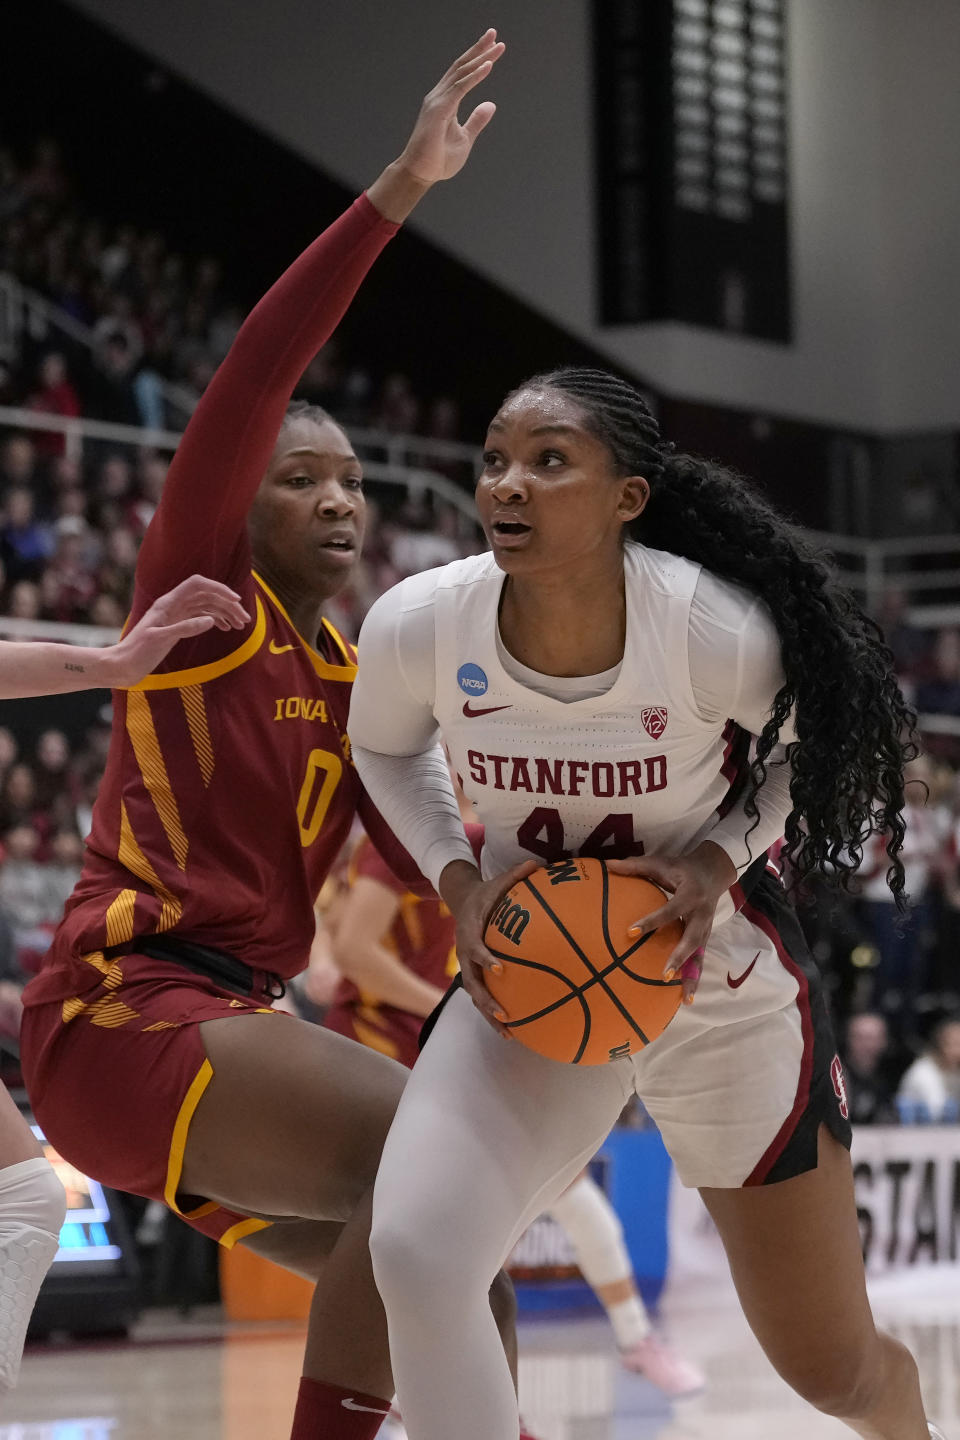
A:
x: 654, y: 720
x: 510, y: 919
x: 620, y: 1052
x: 839, y: 1085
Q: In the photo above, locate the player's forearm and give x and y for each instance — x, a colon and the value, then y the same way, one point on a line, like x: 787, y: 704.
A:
x: 42, y: 668
x: 414, y: 794
x: 376, y: 972
x: 744, y: 838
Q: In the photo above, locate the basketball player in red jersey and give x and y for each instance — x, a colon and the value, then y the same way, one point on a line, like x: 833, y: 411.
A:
x: 397, y: 955
x: 32, y: 1206
x: 229, y: 790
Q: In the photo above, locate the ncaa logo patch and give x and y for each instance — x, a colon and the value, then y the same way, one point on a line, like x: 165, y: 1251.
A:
x: 472, y: 680
x: 654, y: 720
x: 839, y: 1085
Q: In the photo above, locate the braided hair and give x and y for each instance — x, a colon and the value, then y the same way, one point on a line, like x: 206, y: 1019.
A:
x: 854, y: 730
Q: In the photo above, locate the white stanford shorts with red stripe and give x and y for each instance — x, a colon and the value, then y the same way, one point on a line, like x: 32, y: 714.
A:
x: 741, y: 1080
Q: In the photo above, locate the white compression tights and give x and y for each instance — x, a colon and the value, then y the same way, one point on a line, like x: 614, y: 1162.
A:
x: 486, y: 1137
x: 32, y: 1209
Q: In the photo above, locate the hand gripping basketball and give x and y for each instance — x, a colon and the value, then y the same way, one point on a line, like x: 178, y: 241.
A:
x: 575, y: 985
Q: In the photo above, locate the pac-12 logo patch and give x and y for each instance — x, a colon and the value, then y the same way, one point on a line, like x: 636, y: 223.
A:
x: 839, y: 1085
x: 654, y: 720
x: 472, y: 680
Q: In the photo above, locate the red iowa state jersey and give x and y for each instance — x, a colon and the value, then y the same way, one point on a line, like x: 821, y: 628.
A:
x: 421, y: 936
x: 229, y: 787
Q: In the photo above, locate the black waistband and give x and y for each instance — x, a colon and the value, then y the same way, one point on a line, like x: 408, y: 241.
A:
x: 227, y: 970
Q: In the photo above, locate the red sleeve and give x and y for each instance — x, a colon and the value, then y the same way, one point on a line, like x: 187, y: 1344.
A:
x: 398, y: 860
x: 369, y: 862
x: 200, y: 525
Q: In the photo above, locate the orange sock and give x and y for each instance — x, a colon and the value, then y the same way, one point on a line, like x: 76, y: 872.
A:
x: 325, y: 1412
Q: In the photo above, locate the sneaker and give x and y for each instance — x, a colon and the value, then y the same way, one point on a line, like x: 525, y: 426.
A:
x: 662, y: 1366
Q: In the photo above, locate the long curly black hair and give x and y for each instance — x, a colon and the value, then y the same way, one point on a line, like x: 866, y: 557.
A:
x: 854, y: 730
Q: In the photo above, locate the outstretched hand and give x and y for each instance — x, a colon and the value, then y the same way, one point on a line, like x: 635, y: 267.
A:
x: 440, y: 144
x: 695, y: 884
x: 195, y: 605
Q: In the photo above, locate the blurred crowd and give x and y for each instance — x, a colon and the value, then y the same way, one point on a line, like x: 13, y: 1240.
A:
x: 158, y: 319
x: 69, y: 536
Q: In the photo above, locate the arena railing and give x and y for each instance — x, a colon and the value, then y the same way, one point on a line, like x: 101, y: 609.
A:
x: 398, y: 466
x: 927, y: 567
x: 24, y: 311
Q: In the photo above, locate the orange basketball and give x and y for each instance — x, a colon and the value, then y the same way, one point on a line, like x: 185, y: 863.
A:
x: 575, y: 986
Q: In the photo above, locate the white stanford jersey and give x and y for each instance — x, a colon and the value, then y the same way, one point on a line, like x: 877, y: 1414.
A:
x: 636, y: 769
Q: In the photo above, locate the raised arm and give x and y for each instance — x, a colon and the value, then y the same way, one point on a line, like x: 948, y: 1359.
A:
x: 200, y: 523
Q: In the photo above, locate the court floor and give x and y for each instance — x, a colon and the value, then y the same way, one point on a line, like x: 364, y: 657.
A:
x: 193, y: 1378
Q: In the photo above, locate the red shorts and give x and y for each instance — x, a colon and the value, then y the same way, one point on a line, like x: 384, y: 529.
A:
x: 115, y: 1075
x: 391, y: 1032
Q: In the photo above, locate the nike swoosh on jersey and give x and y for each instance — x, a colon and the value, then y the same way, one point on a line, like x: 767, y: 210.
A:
x: 351, y: 1404
x: 487, y: 710
x: 276, y: 649
x: 735, y: 984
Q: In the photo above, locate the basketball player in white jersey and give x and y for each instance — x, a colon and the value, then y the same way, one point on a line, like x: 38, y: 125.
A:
x: 677, y: 702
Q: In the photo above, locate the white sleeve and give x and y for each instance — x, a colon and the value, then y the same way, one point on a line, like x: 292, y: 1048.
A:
x: 736, y: 670
x: 393, y: 732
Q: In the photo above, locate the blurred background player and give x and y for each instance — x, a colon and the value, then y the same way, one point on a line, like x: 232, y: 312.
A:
x: 32, y: 1206
x: 396, y: 954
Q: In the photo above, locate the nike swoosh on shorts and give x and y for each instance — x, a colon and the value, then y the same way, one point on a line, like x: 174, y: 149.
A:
x: 487, y: 710
x: 351, y: 1404
x: 735, y: 984
x: 276, y: 649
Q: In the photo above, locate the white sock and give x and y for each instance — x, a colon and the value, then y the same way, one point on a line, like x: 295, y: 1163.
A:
x: 32, y: 1210
x: 630, y: 1322
x: 596, y: 1234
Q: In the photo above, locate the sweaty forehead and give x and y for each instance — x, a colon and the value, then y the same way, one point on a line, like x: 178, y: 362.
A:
x: 532, y: 408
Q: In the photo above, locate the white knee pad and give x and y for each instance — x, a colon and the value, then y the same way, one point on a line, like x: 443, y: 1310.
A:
x: 32, y: 1210
x: 594, y: 1230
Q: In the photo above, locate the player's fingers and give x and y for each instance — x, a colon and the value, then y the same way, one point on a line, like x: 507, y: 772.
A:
x: 472, y: 74
x: 183, y: 629
x: 690, y: 973
x: 487, y: 1004
x: 672, y: 910
x: 486, y: 40
x: 480, y: 119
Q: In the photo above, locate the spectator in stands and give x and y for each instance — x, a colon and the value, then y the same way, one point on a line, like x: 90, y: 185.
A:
x: 151, y: 474
x: 866, y: 1057
x: 930, y: 1089
x: 63, y: 869
x: 44, y: 178
x: 910, y: 644
x: 18, y: 462
x: 24, y: 892
x: 69, y: 586
x: 940, y: 694
x: 119, y: 562
x: 25, y: 544
x: 9, y: 751
x: 903, y: 942
x: 18, y: 801
x: 23, y: 602
x: 107, y: 612
x: 111, y: 394
x: 399, y: 408
x: 54, y: 395
x: 417, y: 545
x: 51, y: 767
